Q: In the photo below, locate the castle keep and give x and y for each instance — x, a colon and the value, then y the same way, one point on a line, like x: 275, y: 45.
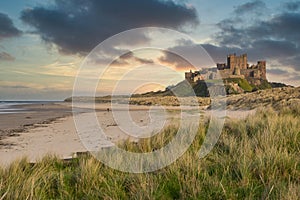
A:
x: 236, y: 67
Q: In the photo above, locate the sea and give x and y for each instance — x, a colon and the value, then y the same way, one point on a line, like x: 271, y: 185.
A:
x: 8, y: 107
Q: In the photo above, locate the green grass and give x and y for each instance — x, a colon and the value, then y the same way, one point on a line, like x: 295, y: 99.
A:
x: 265, y: 85
x: 255, y: 158
x: 243, y: 83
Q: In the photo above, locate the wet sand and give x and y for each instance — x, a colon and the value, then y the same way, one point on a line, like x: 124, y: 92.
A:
x: 50, y: 128
x: 37, y: 136
x: 30, y: 114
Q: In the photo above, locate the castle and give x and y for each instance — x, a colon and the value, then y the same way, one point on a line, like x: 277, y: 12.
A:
x: 236, y: 67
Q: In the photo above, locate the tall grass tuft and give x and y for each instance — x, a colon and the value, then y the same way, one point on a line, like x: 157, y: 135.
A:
x: 255, y: 158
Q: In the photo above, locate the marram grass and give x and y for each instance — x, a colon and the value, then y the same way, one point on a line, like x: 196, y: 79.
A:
x: 255, y: 158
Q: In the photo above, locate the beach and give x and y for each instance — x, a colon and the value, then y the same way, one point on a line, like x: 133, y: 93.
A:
x: 49, y: 128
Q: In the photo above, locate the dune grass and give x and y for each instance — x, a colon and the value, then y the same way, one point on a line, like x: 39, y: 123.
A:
x: 255, y: 158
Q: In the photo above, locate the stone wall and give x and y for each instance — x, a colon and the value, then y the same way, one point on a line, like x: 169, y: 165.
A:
x: 234, y: 61
x: 236, y: 67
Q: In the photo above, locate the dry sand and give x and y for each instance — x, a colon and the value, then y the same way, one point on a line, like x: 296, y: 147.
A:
x: 50, y: 129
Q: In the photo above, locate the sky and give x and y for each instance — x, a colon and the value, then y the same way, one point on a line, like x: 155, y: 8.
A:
x: 44, y: 44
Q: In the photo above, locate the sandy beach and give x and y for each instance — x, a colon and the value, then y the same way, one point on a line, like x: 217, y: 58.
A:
x: 43, y: 129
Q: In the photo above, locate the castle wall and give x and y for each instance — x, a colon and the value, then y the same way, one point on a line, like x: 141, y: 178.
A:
x: 231, y: 62
x: 234, y: 61
x: 237, y: 67
x: 244, y: 62
x: 189, y: 76
x: 225, y: 73
x: 262, y: 66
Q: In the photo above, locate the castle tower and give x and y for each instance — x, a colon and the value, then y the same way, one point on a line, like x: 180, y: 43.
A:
x: 262, y: 66
x: 189, y: 76
x: 237, y: 67
x: 244, y: 61
x: 231, y: 61
x: 234, y: 61
x: 237, y: 71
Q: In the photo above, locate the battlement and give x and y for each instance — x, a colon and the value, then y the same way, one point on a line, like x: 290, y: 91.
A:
x: 236, y: 67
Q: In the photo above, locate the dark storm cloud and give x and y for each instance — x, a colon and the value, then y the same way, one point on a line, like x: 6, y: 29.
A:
x: 274, y: 48
x: 4, y: 56
x: 277, y: 39
x: 236, y: 32
x: 76, y: 26
x: 272, y: 38
x: 254, y: 6
x: 292, y: 6
x: 7, y: 28
x: 284, y: 26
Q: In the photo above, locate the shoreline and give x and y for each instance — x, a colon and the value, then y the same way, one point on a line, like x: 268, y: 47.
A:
x: 30, y: 114
x: 36, y: 137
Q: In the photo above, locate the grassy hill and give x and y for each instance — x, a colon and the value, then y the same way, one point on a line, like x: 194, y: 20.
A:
x: 200, y: 88
x: 254, y: 158
x: 186, y: 89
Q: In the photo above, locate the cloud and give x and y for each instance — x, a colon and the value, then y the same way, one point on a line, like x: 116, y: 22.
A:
x: 276, y: 71
x: 7, y: 28
x: 293, y: 61
x: 276, y: 37
x: 295, y: 78
x: 144, y: 60
x: 129, y: 58
x: 6, y: 57
x: 175, y: 60
x: 285, y: 72
x: 28, y: 91
x: 186, y: 55
x: 249, y: 7
x: 292, y: 6
x: 274, y: 49
x: 200, y: 52
x: 286, y: 53
x: 218, y: 53
x: 284, y: 26
x: 236, y: 32
x: 76, y: 26
x: 14, y: 87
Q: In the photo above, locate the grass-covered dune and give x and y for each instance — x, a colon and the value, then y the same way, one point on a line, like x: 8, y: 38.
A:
x: 255, y: 158
x: 275, y: 97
